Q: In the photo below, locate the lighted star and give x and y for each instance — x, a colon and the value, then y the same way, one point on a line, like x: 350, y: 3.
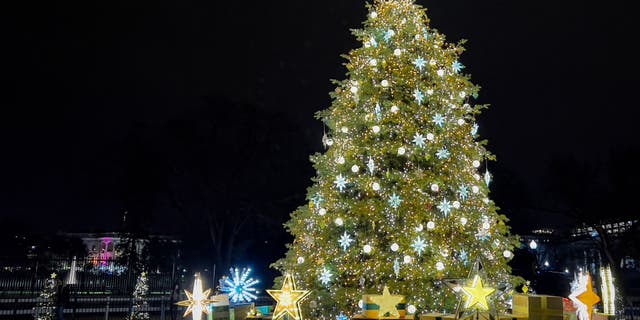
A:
x: 443, y: 153
x: 419, y: 63
x: 419, y: 140
x: 438, y: 119
x: 197, y: 302
x: 476, y: 294
x: 585, y: 297
x: 419, y: 245
x: 388, y: 303
x: 394, y: 201
x: 288, y: 299
x: 54, y: 275
x: 345, y: 241
x: 445, y: 207
x: 463, y: 192
x: 457, y: 66
x: 341, y: 182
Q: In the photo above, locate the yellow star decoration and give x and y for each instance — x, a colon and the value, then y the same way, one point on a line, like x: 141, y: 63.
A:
x: 197, y: 302
x: 387, y: 303
x: 589, y: 298
x: 476, y: 294
x: 288, y: 299
x: 54, y: 275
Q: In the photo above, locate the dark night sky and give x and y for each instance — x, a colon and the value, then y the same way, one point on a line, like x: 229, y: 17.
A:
x: 93, y: 90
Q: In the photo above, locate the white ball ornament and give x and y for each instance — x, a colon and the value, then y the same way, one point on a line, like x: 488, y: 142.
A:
x: 475, y: 189
x: 367, y: 248
x: 435, y: 187
x: 375, y: 186
x: 407, y: 259
x: 384, y: 83
x: 395, y: 247
x: 373, y: 14
x: 411, y: 309
x: 461, y: 122
x: 432, y: 62
x: 373, y: 62
x: 476, y: 176
x: 462, y: 94
x: 360, y: 304
x: 397, y: 52
x: 401, y: 150
x: 339, y: 221
x: 429, y: 91
x: 486, y: 225
x: 439, y: 266
x: 463, y: 221
x: 344, y: 129
x: 394, y: 109
x: 354, y: 90
x: 507, y: 254
x: 475, y: 163
x: 375, y: 129
x: 456, y: 204
x: 431, y: 225
x: 440, y: 72
x: 329, y: 142
x: 355, y: 168
x: 300, y: 260
x: 485, y: 200
x: 322, y: 211
x: 419, y: 228
x: 340, y: 160
x: 430, y: 136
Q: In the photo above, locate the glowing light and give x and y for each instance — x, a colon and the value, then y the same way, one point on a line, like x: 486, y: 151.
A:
x: 533, y: 245
x: 367, y: 248
x: 608, y: 290
x: 197, y: 302
x: 240, y: 286
x: 288, y: 299
x: 476, y: 294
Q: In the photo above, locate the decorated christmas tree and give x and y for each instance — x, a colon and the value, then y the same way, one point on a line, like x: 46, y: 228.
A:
x: 140, y: 294
x: 47, y: 299
x: 401, y: 195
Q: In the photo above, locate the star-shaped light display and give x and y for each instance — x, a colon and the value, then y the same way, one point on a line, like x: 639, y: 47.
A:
x: 288, y: 299
x: 388, y: 303
x: 418, y: 95
x: 445, y: 207
x: 419, y: 245
x: 341, y: 182
x: 197, y: 302
x: 584, y: 297
x: 394, y: 201
x: 477, y: 294
x: 438, y: 119
x: 420, y: 63
x: 345, y: 241
x: 419, y: 140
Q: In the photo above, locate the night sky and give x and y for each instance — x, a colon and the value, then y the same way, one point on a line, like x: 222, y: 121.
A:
x: 113, y: 106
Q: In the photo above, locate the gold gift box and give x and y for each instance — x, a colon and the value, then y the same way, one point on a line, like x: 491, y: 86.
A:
x: 538, y: 307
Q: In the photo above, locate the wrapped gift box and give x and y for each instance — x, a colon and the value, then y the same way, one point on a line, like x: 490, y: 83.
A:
x: 437, y: 316
x: 538, y: 307
x: 220, y: 310
x: 371, y: 310
x: 602, y: 316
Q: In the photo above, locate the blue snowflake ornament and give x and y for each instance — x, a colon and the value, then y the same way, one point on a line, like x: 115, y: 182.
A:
x: 425, y: 34
x: 463, y: 192
x: 464, y: 256
x: 317, y: 199
x: 418, y: 95
x: 341, y: 182
x: 419, y: 245
x: 345, y: 241
x: 474, y: 129
x: 325, y: 276
x: 394, y: 201
x: 443, y: 153
x: 389, y: 34
x: 419, y: 140
x: 438, y: 119
x: 342, y: 316
x: 373, y: 42
x: 457, y: 66
x: 371, y: 165
x: 420, y: 63
x: 445, y: 207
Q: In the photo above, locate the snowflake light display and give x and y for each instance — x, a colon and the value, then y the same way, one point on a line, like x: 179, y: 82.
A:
x: 239, y: 286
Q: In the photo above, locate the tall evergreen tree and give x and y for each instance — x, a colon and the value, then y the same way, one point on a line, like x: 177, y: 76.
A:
x: 401, y: 195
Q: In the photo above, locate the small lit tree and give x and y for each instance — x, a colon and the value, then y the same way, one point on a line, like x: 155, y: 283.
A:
x: 140, y: 294
x: 45, y: 309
